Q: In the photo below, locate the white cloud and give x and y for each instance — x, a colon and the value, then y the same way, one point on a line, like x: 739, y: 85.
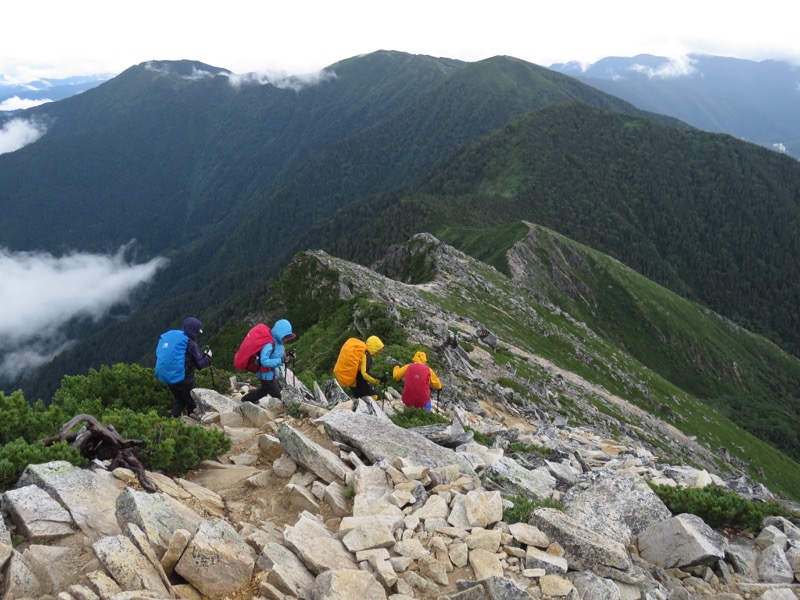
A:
x: 161, y: 67
x: 17, y: 103
x: 679, y: 66
x: 18, y: 133
x: 780, y: 147
x: 41, y: 293
x: 280, y: 79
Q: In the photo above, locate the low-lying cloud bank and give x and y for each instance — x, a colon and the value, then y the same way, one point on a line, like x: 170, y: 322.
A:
x: 681, y: 66
x: 41, y: 293
x: 17, y: 103
x: 18, y: 133
x: 280, y: 79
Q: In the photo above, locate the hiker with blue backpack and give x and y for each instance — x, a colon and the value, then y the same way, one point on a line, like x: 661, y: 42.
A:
x: 177, y: 356
x: 271, y: 358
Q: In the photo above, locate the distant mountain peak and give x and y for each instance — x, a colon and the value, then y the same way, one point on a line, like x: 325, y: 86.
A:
x: 188, y: 69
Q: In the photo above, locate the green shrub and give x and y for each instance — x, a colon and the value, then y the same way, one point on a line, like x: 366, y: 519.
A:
x: 128, y: 396
x: 524, y: 507
x: 18, y: 419
x: 484, y: 439
x: 172, y: 445
x: 416, y: 417
x: 18, y: 454
x: 468, y: 347
x: 296, y: 410
x: 717, y: 506
x: 118, y: 386
x: 519, y: 447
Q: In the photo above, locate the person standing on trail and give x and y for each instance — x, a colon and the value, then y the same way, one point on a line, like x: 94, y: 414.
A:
x: 177, y: 356
x: 271, y: 359
x: 419, y: 379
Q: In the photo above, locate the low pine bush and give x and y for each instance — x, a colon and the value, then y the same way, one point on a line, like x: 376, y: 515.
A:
x: 16, y: 455
x: 172, y: 445
x: 717, y: 506
x: 416, y: 417
x: 484, y: 439
x: 117, y: 386
x: 520, y: 448
x: 296, y: 410
x: 524, y: 507
x: 127, y: 396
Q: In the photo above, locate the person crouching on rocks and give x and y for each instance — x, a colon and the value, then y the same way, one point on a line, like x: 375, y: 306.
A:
x: 419, y: 379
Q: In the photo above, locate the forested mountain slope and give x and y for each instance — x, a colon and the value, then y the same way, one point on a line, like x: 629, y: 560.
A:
x: 229, y: 181
x: 706, y: 215
x: 222, y: 178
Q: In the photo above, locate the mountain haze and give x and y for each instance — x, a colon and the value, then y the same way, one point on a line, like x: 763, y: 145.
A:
x: 755, y: 101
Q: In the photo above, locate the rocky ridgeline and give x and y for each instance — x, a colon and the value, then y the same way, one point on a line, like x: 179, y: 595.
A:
x: 377, y: 512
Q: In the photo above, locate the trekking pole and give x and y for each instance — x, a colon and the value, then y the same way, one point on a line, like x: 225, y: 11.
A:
x: 206, y: 350
x: 383, y: 392
x: 213, y: 383
x: 438, y: 406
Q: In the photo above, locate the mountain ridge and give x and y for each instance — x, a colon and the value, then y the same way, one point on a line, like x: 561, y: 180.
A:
x: 330, y: 299
x: 224, y: 255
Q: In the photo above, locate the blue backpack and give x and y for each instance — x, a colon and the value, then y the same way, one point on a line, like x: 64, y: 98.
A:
x: 171, y: 356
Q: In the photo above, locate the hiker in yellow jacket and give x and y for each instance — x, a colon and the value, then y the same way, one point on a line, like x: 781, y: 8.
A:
x: 353, y: 365
x: 419, y: 379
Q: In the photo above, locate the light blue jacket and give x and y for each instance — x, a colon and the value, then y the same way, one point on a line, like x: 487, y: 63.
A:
x: 272, y: 354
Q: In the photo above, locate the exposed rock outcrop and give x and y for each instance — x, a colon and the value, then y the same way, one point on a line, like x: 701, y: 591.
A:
x: 421, y: 523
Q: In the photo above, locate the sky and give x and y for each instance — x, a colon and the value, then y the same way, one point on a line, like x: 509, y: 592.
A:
x: 40, y: 293
x: 54, y: 38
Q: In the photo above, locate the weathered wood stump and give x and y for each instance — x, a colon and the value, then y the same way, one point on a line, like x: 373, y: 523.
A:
x: 97, y: 441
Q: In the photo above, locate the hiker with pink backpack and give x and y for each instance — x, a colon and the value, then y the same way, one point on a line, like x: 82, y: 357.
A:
x: 262, y: 353
x: 419, y: 379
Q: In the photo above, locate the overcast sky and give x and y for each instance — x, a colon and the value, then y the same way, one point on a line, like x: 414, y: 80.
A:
x: 58, y: 38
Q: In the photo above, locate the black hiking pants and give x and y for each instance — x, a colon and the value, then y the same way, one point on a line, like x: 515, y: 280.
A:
x: 184, y: 403
x: 269, y: 387
x: 363, y: 388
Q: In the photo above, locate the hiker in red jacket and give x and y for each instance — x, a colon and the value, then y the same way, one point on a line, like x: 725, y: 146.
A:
x: 419, y: 379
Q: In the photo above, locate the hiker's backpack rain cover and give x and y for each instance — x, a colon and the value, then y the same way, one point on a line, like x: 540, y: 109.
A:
x: 349, y: 359
x: 416, y: 390
x: 247, y: 356
x: 171, y: 356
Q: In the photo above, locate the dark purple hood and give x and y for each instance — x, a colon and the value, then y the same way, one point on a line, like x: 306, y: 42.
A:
x: 192, y: 327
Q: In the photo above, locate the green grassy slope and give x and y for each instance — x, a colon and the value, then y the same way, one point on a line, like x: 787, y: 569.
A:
x: 628, y: 348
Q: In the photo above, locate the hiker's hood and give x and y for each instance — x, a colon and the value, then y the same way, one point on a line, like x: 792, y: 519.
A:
x: 374, y: 344
x: 282, y: 331
x: 192, y: 327
x: 420, y: 357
